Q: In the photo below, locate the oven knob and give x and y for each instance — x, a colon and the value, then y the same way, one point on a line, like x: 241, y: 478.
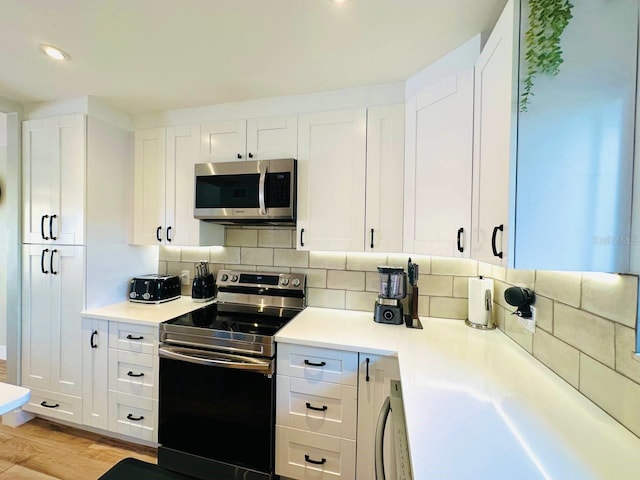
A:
x: 284, y: 282
x: 295, y: 282
x: 224, y: 277
x: 234, y: 278
x: 146, y: 296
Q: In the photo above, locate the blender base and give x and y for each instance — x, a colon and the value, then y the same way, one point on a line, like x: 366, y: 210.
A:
x: 389, y: 314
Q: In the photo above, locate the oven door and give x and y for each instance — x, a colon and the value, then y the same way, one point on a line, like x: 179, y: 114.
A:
x: 234, y: 192
x: 219, y: 411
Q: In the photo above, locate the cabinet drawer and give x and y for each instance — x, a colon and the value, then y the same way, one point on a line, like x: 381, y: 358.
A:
x: 320, y: 407
x: 297, y: 450
x: 133, y: 373
x: 133, y: 416
x: 320, y: 364
x: 60, y: 406
x: 135, y: 338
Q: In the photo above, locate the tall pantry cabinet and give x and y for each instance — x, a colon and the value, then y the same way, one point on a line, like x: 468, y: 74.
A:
x: 75, y: 249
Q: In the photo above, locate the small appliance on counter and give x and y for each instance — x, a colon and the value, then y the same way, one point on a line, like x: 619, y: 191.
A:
x: 204, y: 285
x: 154, y: 288
x: 392, y: 289
x: 412, y: 320
x: 480, y: 304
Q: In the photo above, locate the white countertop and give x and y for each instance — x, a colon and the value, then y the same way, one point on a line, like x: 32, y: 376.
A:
x: 146, y: 313
x: 477, y: 405
x: 12, y: 396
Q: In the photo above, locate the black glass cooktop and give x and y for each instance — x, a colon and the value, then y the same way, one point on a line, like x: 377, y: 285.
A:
x: 254, y: 323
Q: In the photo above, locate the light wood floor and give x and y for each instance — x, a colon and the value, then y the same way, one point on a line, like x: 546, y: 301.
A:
x: 42, y: 450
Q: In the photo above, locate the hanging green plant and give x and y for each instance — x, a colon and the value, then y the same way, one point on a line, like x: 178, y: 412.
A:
x: 543, y: 54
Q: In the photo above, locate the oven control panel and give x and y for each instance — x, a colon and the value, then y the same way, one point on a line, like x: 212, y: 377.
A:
x: 283, y: 281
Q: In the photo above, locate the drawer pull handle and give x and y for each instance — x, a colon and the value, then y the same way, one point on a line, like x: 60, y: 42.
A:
x: 135, y: 419
x: 131, y: 337
x: 318, y: 409
x: 44, y: 404
x: 131, y: 374
x: 315, y: 462
x: 311, y: 364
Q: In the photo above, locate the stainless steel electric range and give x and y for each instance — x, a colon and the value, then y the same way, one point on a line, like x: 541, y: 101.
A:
x: 217, y: 378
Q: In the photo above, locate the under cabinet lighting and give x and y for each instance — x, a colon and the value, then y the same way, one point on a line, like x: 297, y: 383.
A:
x: 54, y: 52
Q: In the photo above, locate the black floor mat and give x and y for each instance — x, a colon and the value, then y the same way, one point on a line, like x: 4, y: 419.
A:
x: 134, y: 469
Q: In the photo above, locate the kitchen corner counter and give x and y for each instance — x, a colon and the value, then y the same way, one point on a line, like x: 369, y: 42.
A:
x: 477, y: 405
x: 144, y: 313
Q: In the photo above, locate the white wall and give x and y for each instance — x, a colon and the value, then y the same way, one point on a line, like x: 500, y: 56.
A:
x: 3, y: 237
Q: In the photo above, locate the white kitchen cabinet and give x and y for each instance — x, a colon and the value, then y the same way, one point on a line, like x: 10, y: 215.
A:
x: 374, y: 375
x: 95, y: 371
x: 438, y: 167
x: 52, y: 299
x: 384, y: 178
x: 253, y: 139
x: 164, y: 189
x: 53, y: 179
x: 331, y: 180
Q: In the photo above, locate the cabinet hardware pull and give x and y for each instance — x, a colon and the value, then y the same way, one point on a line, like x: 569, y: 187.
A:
x: 493, y: 241
x: 250, y: 155
x: 459, y: 240
x: 51, y: 227
x: 44, y: 252
x: 135, y: 419
x: 318, y: 409
x: 169, y: 234
x: 372, y: 238
x: 239, y: 156
x: 94, y: 334
x: 158, y: 233
x: 311, y: 364
x: 131, y: 374
x: 315, y: 462
x: 53, y: 252
x: 301, y: 234
x: 131, y: 337
x: 366, y: 375
x: 44, y: 404
x: 44, y: 217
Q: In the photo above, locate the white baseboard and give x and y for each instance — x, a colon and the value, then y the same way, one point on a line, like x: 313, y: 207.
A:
x: 16, y: 418
x: 3, y: 352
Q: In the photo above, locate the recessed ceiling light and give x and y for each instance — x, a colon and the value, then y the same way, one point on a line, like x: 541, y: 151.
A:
x: 54, y: 52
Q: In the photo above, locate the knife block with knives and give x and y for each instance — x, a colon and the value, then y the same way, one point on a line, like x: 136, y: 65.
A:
x: 413, y: 272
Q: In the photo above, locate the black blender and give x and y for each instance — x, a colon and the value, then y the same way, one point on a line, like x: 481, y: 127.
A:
x: 392, y: 289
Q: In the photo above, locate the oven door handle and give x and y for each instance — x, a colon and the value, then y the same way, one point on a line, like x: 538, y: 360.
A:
x: 264, y: 168
x: 216, y: 359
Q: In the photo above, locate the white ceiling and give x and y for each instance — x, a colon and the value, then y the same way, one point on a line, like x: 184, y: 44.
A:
x: 152, y: 55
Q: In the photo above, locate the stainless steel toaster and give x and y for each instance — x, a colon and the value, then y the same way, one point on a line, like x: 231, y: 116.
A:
x: 154, y: 288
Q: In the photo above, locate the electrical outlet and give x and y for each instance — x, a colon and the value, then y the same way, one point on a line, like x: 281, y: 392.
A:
x: 529, y: 323
x: 184, y: 277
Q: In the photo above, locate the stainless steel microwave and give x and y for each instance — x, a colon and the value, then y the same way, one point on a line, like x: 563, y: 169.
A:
x: 254, y: 192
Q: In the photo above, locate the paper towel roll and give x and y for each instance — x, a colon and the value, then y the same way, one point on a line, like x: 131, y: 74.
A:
x: 480, y: 300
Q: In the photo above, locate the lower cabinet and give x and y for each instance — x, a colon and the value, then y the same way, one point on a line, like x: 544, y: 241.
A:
x: 326, y: 411
x: 120, y: 378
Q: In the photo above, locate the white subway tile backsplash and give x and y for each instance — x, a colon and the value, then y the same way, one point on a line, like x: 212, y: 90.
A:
x: 514, y: 329
x: 372, y: 282
x: 169, y: 254
x: 461, y: 287
x: 484, y: 269
x: 499, y: 273
x: 256, y: 256
x: 326, y: 298
x: 557, y: 355
x: 162, y: 267
x: 588, y: 333
x: 423, y: 305
x: 316, y: 277
x: 454, y: 266
x: 446, y: 307
x: 499, y: 314
x: 364, y: 301
x: 368, y: 262
x: 564, y: 287
x: 195, y: 254
x: 281, y: 238
x: 345, y: 280
x: 436, y: 285
x: 544, y: 313
x: 611, y: 296
x: 328, y: 260
x: 289, y: 257
x: 521, y: 278
x: 226, y: 255
x: 625, y: 351
x: 241, y: 237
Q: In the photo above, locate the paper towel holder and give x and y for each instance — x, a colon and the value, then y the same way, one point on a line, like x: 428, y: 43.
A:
x: 488, y: 305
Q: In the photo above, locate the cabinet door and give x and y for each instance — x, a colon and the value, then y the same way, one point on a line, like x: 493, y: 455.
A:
x: 95, y: 370
x: 224, y: 141
x: 494, y: 134
x: 52, y: 299
x: 439, y: 168
x: 331, y: 180
x: 149, y: 187
x: 385, y: 177
x: 272, y: 137
x: 54, y: 156
x: 374, y: 376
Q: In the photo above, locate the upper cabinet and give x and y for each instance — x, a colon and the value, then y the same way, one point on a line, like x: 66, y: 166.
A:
x: 438, y: 167
x: 54, y: 153
x: 350, y: 171
x: 164, y: 189
x: 560, y: 196
x: 254, y: 139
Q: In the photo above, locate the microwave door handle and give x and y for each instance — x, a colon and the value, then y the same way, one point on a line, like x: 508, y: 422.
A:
x: 379, y: 441
x: 261, y: 188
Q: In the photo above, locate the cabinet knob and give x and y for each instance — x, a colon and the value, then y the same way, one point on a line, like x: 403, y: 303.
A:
x: 239, y: 155
x: 250, y: 155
